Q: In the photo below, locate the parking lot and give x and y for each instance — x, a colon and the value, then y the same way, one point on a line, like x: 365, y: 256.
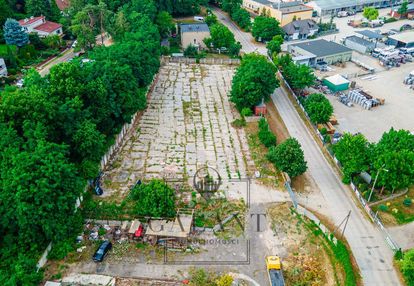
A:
x: 386, y: 84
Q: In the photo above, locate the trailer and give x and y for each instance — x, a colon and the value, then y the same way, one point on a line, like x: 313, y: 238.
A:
x: 274, y: 271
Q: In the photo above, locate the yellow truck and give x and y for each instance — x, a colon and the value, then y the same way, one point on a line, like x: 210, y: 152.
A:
x: 274, y: 270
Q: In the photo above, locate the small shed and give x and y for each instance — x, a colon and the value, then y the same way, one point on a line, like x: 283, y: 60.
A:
x: 260, y: 109
x: 336, y: 83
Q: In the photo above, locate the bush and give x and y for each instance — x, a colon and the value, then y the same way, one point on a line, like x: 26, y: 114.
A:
x: 288, y: 157
x: 390, y: 20
x: 266, y: 137
x: 165, y: 50
x: 407, y: 202
x: 238, y: 123
x: 61, y: 249
x: 191, y: 51
x: 383, y: 208
x: 246, y: 112
x: 323, y: 131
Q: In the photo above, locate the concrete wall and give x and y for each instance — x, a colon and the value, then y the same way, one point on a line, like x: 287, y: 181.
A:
x: 288, y: 18
x: 194, y: 38
x: 332, y: 59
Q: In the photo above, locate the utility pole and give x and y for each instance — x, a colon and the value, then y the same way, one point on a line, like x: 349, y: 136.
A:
x: 345, y: 220
x: 375, y: 181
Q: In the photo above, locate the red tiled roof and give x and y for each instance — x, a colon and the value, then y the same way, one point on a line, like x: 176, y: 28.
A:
x: 48, y: 27
x: 24, y: 22
x: 62, y: 4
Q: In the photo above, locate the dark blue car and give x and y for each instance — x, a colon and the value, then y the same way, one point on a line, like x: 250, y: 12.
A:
x: 102, y: 251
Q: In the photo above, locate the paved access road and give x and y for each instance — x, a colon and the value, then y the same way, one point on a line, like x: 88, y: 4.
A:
x: 372, y: 254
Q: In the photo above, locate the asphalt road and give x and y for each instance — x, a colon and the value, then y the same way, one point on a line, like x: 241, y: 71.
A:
x: 66, y: 56
x: 372, y: 254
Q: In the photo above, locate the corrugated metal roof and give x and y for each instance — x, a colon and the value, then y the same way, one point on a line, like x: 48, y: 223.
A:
x: 370, y: 34
x: 405, y: 37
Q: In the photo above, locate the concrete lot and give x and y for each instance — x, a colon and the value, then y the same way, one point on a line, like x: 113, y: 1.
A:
x: 186, y: 126
x: 399, y: 99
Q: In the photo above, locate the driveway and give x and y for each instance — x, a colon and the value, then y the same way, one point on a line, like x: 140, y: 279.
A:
x: 373, y: 256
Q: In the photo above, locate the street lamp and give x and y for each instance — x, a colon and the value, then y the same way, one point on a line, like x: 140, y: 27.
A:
x: 375, y: 181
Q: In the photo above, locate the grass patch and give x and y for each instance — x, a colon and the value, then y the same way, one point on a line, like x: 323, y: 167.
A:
x: 395, y: 212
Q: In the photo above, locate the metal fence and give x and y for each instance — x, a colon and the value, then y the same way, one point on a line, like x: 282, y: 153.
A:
x: 374, y: 217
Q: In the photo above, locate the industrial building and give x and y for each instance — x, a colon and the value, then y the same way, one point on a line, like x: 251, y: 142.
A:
x: 402, y: 40
x: 332, y: 7
x: 284, y: 12
x: 315, y: 52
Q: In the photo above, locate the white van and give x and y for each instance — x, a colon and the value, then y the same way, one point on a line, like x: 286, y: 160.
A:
x: 198, y: 18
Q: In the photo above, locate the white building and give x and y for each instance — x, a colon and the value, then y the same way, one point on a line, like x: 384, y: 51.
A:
x: 41, y: 26
x: 3, y: 68
x: 332, y: 7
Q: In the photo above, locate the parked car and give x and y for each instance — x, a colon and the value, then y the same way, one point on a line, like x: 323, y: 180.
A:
x: 351, y: 13
x: 20, y: 83
x: 406, y: 27
x: 102, y: 251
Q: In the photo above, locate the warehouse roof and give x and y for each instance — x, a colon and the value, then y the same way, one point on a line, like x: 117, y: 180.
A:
x: 334, y: 4
x: 321, y: 48
x: 370, y: 34
x: 360, y: 41
x: 405, y: 37
x: 196, y: 27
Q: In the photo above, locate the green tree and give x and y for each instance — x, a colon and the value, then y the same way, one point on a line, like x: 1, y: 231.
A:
x: 242, y: 18
x: 191, y: 51
x: 165, y: 23
x: 402, y: 10
x: 300, y: 76
x: 354, y: 153
x: 230, y: 5
x: 288, y: 157
x: 5, y: 12
x: 221, y: 36
x: 14, y: 33
x: 370, y: 13
x: 274, y: 46
x: 83, y: 29
x: 318, y: 108
x: 155, y: 199
x: 37, y: 7
x: 211, y: 19
x: 253, y: 82
x: 395, y: 153
x: 265, y: 28
x: 407, y: 267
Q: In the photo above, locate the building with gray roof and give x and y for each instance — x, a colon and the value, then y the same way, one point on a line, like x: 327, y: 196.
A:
x: 194, y: 34
x: 332, y: 7
x: 320, y: 51
x: 300, y: 29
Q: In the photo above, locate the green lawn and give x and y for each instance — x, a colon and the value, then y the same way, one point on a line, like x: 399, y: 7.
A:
x: 395, y: 212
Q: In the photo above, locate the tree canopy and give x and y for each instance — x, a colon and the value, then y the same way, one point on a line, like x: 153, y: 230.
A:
x: 354, y: 154
x: 288, y: 157
x: 370, y: 13
x: 56, y: 128
x: 14, y: 34
x: 274, y: 46
x: 265, y: 28
x: 253, y: 82
x: 298, y: 76
x: 318, y: 108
